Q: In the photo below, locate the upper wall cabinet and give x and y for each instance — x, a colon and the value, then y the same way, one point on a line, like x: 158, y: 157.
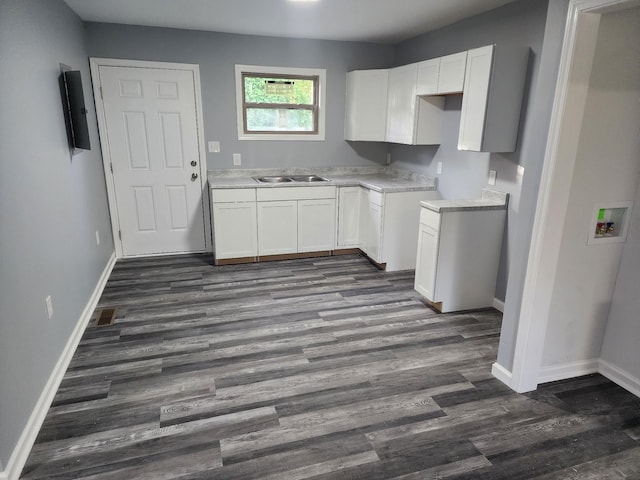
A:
x: 451, y: 77
x: 411, y: 120
x: 366, y: 105
x: 427, y: 81
x: 442, y: 75
x: 492, y: 98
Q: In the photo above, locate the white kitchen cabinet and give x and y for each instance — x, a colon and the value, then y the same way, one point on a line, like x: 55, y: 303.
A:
x: 371, y: 224
x: 234, y: 223
x: 277, y: 227
x: 492, y: 98
x: 458, y: 256
x: 427, y: 80
x: 235, y: 230
x: 366, y: 105
x: 451, y: 76
x: 316, y: 225
x: 296, y: 219
x: 411, y: 119
x: 389, y: 226
x: 426, y: 260
x: 348, y: 217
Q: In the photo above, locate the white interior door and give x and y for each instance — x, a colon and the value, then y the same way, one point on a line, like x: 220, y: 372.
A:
x: 152, y: 134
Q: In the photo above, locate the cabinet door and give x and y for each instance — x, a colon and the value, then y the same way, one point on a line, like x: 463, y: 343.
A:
x: 451, y: 77
x: 426, y: 262
x: 370, y: 227
x: 277, y: 227
x: 348, y: 217
x: 316, y: 225
x: 234, y: 230
x: 401, y: 104
x: 366, y: 105
x: 427, y: 82
x: 474, y: 98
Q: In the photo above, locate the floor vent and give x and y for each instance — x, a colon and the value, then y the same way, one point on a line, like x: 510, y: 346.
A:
x: 105, y: 317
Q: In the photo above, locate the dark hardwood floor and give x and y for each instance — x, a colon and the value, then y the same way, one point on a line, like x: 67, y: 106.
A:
x: 312, y: 369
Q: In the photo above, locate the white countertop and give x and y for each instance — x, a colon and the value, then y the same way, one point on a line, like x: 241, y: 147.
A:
x: 490, y: 200
x: 378, y: 179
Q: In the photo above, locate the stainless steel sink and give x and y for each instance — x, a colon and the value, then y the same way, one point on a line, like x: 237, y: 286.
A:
x: 308, y: 178
x: 273, y: 179
x: 294, y: 178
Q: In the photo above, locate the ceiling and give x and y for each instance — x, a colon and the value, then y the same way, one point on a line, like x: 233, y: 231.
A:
x: 379, y: 21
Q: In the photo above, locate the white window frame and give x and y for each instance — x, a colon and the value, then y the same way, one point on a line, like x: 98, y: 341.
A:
x: 321, y: 73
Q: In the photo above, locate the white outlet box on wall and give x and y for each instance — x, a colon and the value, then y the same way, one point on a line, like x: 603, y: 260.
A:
x: 609, y: 223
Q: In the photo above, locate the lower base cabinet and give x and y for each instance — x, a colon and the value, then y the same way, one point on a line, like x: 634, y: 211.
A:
x: 234, y: 223
x: 277, y: 227
x: 235, y: 230
x: 458, y: 256
x: 316, y: 225
x: 389, y: 226
x: 348, y: 234
x: 250, y: 223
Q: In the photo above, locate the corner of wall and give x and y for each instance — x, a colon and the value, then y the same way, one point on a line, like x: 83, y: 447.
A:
x: 22, y: 449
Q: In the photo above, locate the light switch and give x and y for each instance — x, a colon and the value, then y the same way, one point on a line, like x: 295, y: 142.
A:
x: 439, y: 168
x: 237, y: 159
x: 214, y: 147
x: 492, y: 177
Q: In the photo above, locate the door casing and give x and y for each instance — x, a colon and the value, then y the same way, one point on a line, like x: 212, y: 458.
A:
x: 95, y: 64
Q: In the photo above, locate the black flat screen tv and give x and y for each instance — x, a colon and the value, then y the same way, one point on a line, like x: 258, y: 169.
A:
x: 74, y: 110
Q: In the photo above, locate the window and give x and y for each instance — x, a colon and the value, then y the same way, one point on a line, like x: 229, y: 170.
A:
x: 280, y: 103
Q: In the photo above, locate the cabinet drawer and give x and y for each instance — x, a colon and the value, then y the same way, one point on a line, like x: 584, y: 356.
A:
x: 430, y: 218
x: 295, y: 193
x: 227, y: 195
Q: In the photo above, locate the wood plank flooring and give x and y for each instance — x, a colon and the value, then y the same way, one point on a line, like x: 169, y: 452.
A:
x: 312, y: 369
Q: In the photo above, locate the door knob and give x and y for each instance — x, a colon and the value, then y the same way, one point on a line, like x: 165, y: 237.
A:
x: 193, y: 163
x: 194, y: 176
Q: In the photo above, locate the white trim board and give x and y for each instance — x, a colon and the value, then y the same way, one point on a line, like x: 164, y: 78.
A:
x: 576, y: 60
x: 95, y: 64
x: 502, y: 374
x: 22, y: 449
x: 620, y: 377
x: 498, y: 304
x: 568, y: 370
x: 573, y: 370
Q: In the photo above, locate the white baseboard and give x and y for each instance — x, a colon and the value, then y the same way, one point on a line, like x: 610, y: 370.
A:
x: 22, y: 449
x: 567, y: 370
x: 498, y: 304
x: 620, y: 377
x: 502, y: 374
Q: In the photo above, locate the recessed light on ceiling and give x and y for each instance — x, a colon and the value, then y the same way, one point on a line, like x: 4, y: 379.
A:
x: 304, y: 1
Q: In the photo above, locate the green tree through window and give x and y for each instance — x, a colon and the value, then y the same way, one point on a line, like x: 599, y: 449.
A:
x: 280, y: 104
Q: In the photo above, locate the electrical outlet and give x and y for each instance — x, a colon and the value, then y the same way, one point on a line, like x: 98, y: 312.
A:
x: 237, y: 159
x: 97, y: 237
x: 49, y: 303
x: 439, y: 168
x: 214, y: 147
x: 492, y: 177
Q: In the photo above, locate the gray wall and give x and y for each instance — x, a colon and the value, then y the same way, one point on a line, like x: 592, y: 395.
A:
x: 50, y: 205
x: 466, y: 173
x: 217, y: 53
x: 533, y: 154
x: 622, y: 336
x: 581, y: 306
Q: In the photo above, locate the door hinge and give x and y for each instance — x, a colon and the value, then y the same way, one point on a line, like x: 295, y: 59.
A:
x: 120, y: 234
x: 111, y: 167
x: 101, y: 96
